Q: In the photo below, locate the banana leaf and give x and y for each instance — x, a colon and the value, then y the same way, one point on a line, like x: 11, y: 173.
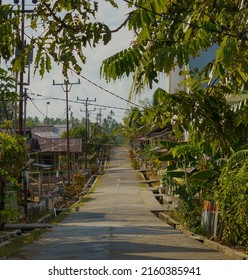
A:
x: 172, y: 144
x: 237, y: 158
x: 243, y: 147
x: 204, y: 175
x: 171, y: 167
x: 167, y: 157
x: 176, y: 174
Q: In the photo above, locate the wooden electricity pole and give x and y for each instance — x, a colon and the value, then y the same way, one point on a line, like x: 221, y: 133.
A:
x: 66, y: 86
x: 86, y: 103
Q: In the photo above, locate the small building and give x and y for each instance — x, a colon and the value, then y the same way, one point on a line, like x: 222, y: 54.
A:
x: 153, y: 137
x: 51, y: 149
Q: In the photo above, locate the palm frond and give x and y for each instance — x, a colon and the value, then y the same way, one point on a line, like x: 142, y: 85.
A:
x: 237, y: 158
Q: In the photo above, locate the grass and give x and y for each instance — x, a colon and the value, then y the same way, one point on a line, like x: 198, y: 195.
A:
x: 81, y: 202
x: 37, y: 217
x: 17, y: 242
x: 142, y: 185
x: 87, y: 197
x: 60, y: 217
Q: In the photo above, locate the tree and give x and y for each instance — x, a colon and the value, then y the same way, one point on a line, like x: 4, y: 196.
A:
x: 172, y: 33
x: 75, y: 132
x: 32, y: 121
x: 134, y: 123
x: 109, y: 124
x: 12, y: 160
x: 64, y: 30
x: 210, y: 121
x: 7, y: 96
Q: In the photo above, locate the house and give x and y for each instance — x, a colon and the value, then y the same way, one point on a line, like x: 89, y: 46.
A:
x: 157, y: 134
x: 49, y: 148
x: 175, y: 77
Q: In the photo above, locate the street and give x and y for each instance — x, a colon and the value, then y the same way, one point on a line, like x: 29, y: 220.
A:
x: 117, y: 223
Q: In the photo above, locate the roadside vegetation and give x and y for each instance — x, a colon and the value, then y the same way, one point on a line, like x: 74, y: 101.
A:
x: 17, y: 242
x: 206, y: 147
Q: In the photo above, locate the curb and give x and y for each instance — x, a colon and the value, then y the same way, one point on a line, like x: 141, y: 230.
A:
x: 234, y: 254
x: 7, y: 235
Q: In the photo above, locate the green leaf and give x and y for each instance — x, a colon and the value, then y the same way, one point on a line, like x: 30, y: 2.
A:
x: 48, y: 63
x: 204, y: 175
x: 107, y: 36
x: 176, y: 174
x: 168, y: 157
x: 42, y: 66
x: 171, y: 167
x: 172, y: 144
x: 112, y: 2
x: 243, y: 147
x: 237, y: 158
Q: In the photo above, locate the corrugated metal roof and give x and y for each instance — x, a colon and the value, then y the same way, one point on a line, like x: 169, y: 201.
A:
x: 49, y: 131
x: 50, y: 140
x: 59, y: 144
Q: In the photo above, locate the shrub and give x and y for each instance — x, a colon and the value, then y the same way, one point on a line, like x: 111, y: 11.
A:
x: 135, y: 163
x: 12, y: 160
x: 74, y: 190
x: 232, y: 198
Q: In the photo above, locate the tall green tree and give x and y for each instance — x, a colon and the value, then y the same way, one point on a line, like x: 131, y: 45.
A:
x: 64, y: 30
x: 169, y: 33
x: 172, y: 33
x: 109, y: 124
x: 132, y: 123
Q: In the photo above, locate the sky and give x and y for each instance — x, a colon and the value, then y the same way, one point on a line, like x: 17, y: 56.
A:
x: 44, y: 94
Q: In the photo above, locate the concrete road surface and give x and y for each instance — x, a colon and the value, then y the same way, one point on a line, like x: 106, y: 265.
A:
x: 117, y: 223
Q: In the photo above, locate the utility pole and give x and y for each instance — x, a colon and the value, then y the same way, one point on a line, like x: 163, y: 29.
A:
x: 86, y: 103
x: 99, y: 116
x: 21, y: 81
x: 21, y: 74
x: 87, y: 120
x: 25, y: 96
x: 66, y: 86
x: 48, y: 103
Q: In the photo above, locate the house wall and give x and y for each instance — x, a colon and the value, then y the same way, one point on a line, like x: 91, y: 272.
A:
x: 175, y: 79
x: 197, y: 62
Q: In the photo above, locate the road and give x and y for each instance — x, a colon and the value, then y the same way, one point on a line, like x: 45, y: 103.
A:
x: 117, y: 223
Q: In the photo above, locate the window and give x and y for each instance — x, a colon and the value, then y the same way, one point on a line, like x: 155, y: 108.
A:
x: 47, y: 159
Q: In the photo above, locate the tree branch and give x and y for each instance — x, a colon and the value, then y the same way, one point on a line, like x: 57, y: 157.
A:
x: 122, y: 25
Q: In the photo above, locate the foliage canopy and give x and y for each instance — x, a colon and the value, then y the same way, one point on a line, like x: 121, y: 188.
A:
x: 169, y: 33
x: 64, y: 29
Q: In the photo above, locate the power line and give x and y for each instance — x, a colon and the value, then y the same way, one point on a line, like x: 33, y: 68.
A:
x: 83, y: 77
x: 78, y: 102
x: 163, y: 15
x: 37, y: 108
x: 63, y: 114
x: 106, y: 90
